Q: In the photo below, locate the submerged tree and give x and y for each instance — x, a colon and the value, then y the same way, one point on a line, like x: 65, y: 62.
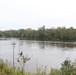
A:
x: 22, y: 61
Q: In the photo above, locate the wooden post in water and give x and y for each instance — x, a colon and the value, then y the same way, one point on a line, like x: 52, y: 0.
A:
x: 13, y: 53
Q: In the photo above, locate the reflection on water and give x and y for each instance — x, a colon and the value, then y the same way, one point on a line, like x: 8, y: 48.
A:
x: 44, y: 53
x: 43, y: 44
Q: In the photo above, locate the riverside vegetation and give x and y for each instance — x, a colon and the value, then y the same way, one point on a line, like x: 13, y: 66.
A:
x: 52, y: 34
x: 67, y: 68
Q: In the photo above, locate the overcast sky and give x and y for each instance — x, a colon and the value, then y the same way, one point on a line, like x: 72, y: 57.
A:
x: 16, y: 14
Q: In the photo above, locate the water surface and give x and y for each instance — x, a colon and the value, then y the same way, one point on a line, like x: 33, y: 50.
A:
x: 42, y: 53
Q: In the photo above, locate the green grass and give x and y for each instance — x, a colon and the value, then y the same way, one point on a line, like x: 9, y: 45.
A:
x: 5, y: 69
x: 67, y: 68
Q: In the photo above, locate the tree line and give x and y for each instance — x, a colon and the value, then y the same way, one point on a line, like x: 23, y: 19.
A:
x: 42, y: 33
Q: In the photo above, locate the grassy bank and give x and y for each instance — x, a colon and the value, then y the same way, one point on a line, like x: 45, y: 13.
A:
x: 68, y: 68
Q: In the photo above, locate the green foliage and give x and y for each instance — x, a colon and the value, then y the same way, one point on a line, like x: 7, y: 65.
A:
x: 55, y: 72
x: 67, y: 68
x: 22, y: 61
x: 41, y: 70
x: 41, y: 33
x: 53, y: 34
x: 4, y: 69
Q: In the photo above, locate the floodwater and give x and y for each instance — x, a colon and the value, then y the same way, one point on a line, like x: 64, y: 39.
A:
x: 41, y: 53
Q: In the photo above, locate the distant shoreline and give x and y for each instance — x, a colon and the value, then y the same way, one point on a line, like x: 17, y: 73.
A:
x: 42, y: 34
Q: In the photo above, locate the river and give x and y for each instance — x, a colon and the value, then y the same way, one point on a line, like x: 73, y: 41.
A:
x: 41, y: 53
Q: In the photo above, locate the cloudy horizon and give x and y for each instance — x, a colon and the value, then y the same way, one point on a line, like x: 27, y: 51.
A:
x: 18, y: 14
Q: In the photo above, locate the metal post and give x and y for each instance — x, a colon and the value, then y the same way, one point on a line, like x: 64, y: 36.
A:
x: 13, y: 56
x: 13, y: 52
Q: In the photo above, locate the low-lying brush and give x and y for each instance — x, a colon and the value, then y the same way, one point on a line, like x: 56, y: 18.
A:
x: 67, y: 68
